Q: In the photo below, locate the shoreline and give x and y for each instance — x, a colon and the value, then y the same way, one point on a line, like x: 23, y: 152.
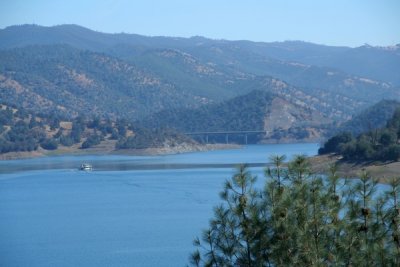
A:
x: 168, y: 150
x: 108, y: 148
x: 382, y: 171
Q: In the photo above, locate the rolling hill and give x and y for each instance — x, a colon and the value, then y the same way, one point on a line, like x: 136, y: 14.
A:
x: 72, y: 81
x: 365, y: 61
x: 373, y: 117
x: 258, y: 110
x: 72, y: 70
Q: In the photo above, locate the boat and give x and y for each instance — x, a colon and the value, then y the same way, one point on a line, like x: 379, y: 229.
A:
x: 85, y: 167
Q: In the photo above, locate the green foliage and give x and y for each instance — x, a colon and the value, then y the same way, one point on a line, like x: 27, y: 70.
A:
x: 92, y: 140
x: 333, y: 144
x: 373, y: 117
x: 394, y: 122
x: 240, y: 113
x: 392, y: 153
x: 66, y: 140
x: 78, y: 126
x: 70, y: 81
x: 26, y: 131
x: 49, y: 144
x: 388, y: 137
x: 94, y: 123
x: 18, y: 136
x: 300, y: 219
x: 378, y: 144
x: 134, y: 76
x: 6, y: 116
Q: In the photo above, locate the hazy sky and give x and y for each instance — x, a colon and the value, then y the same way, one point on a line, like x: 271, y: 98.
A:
x: 332, y: 22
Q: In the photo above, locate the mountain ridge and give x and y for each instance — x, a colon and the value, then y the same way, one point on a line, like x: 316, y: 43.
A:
x: 69, y: 68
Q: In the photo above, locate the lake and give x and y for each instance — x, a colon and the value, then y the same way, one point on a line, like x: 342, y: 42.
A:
x: 128, y: 211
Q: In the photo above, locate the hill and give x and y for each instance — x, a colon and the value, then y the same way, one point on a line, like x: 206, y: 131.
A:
x: 24, y: 131
x: 196, y: 63
x: 71, y: 70
x: 64, y: 79
x: 355, y: 61
x: 223, y: 67
x: 258, y: 110
x: 371, y: 118
x: 379, y: 144
x: 59, y: 78
x: 378, y: 63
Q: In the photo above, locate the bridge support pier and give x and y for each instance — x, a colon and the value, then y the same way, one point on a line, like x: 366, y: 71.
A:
x: 245, y: 139
x: 226, y: 138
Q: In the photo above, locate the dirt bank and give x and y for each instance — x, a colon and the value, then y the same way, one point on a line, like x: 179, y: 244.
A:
x: 383, y: 171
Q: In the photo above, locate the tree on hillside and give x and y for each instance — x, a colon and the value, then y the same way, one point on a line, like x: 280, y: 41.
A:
x: 388, y: 137
x: 78, y: 126
x: 49, y: 144
x: 92, y: 140
x: 333, y: 144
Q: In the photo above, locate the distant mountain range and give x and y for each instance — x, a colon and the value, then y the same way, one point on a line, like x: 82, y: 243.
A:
x: 71, y: 70
x: 362, y: 61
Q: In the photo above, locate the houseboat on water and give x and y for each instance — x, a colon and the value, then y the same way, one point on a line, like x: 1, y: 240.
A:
x: 86, y: 167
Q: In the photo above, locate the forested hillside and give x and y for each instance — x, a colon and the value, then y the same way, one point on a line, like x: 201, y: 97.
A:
x: 21, y: 130
x: 354, y: 61
x: 64, y: 79
x: 255, y: 111
x: 377, y: 144
x: 193, y: 83
x: 373, y: 117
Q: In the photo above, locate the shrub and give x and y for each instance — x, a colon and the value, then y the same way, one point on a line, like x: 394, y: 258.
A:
x: 332, y: 145
x: 392, y: 153
x: 49, y: 144
x: 66, y: 140
x: 91, y: 141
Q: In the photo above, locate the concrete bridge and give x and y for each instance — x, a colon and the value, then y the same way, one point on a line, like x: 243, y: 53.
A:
x: 227, y: 133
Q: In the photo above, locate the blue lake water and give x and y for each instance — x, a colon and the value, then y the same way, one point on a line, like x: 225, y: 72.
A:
x: 129, y: 211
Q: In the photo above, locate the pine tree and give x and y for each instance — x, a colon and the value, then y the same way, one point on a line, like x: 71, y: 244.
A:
x: 301, y: 219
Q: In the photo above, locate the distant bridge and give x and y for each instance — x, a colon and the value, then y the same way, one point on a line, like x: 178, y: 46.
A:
x: 227, y: 133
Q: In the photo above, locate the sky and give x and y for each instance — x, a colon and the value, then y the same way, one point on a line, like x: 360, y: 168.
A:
x: 330, y: 22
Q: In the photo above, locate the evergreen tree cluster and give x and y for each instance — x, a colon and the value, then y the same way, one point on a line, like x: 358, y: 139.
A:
x: 378, y: 144
x: 300, y: 219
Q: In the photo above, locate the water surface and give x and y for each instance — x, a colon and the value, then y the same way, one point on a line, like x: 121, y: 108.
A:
x: 129, y: 211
